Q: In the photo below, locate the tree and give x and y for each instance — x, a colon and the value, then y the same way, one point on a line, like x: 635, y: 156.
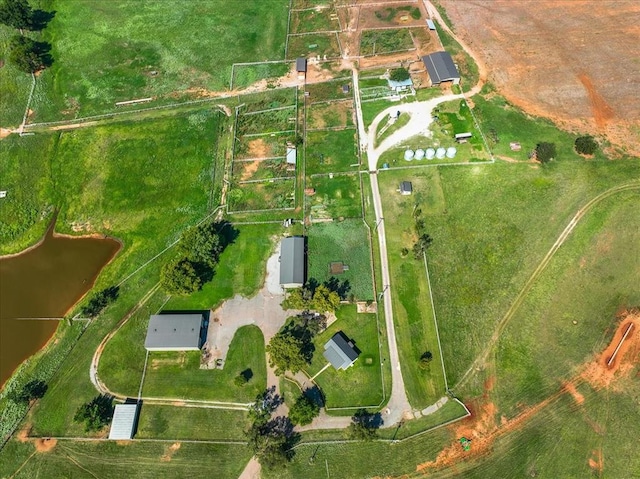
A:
x: 16, y: 13
x: 201, y: 244
x: 99, y: 301
x: 272, y: 442
x: 586, y: 145
x: 34, y: 389
x: 179, y: 277
x: 286, y: 353
x: 545, y: 151
x: 325, y: 300
x: 425, y: 359
x: 243, y: 378
x: 295, y: 300
x: 421, y: 246
x: 399, y: 74
x: 28, y: 55
x: 304, y: 410
x: 364, y: 425
x: 95, y: 414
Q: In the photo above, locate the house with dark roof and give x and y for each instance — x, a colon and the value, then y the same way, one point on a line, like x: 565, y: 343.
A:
x: 175, y: 332
x: 292, y: 262
x: 441, y: 68
x: 340, y: 351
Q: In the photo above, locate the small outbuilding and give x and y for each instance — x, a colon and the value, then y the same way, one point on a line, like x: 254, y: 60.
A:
x: 301, y: 68
x: 292, y: 262
x: 346, y: 89
x: 291, y: 155
x: 174, y: 332
x: 340, y: 351
x: 430, y: 24
x: 463, y: 137
x: 400, y: 86
x: 124, y: 422
x: 441, y: 68
x: 406, y: 188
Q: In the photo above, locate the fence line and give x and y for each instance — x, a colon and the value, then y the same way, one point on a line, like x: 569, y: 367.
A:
x: 267, y: 133
x: 319, y: 32
x: 266, y: 180
x: 268, y: 109
x: 435, y: 320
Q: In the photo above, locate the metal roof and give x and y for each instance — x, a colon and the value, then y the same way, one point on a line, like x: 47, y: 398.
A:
x: 301, y: 64
x: 399, y: 84
x: 430, y: 24
x: 339, y: 352
x: 292, y: 261
x: 124, y: 420
x: 291, y: 155
x: 174, y: 332
x: 406, y: 186
x: 440, y: 67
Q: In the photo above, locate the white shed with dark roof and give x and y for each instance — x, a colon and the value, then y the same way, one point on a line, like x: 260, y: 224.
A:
x: 123, y: 424
x: 441, y: 68
x: 174, y: 332
x: 292, y: 262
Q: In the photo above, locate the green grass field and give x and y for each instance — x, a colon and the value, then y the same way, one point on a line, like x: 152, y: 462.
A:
x: 415, y: 326
x: 337, y: 197
x: 312, y: 45
x: 305, y: 21
x: 245, y: 75
x: 14, y: 84
x: 331, y: 151
x: 108, y: 54
x: 379, y: 42
x: 330, y: 115
x: 262, y: 196
x: 325, y: 91
x: 361, y: 384
x: 345, y: 241
x: 466, y: 66
x: 267, y: 122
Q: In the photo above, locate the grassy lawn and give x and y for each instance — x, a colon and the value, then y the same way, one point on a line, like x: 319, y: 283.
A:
x: 110, y: 460
x: 361, y: 384
x: 337, y: 197
x: 376, y: 42
x: 415, y: 326
x: 267, y: 122
x: 398, y: 123
x: 331, y: 151
x: 330, y: 115
x: 108, y: 54
x: 176, y: 374
x: 499, y: 222
x: 14, y: 84
x: 313, y: 45
x: 169, y: 422
x: 345, y: 241
x: 325, y: 91
x: 307, y: 21
x: 245, y: 75
x: 259, y: 196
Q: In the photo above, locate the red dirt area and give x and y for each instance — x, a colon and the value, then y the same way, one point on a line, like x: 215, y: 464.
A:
x: 170, y: 451
x: 602, y: 372
x: 45, y: 444
x: 596, y: 461
x: 550, y: 58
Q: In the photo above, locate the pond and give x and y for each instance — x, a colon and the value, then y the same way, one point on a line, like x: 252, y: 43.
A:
x: 40, y: 285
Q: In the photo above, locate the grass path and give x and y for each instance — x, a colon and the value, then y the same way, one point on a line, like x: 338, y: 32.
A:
x: 481, y: 360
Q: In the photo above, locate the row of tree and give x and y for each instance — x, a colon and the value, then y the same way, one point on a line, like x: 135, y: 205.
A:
x: 198, y: 253
x: 584, y: 145
x: 26, y: 54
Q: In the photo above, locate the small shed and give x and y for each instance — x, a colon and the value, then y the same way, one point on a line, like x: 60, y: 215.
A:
x: 346, y: 89
x: 292, y: 262
x: 406, y: 188
x: 399, y: 86
x: 174, y: 332
x: 430, y: 24
x: 340, y: 351
x: 291, y: 155
x: 301, y: 67
x: 338, y: 267
x: 124, y: 422
x: 463, y: 137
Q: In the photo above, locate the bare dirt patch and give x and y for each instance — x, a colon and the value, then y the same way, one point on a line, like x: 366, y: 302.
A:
x: 45, y: 444
x: 571, y: 389
x: 250, y: 167
x: 258, y: 148
x: 170, y: 451
x: 596, y: 461
x: 4, y: 132
x: 549, y: 60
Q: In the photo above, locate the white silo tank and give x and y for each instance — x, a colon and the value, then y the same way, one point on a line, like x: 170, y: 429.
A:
x: 419, y: 154
x: 451, y: 152
x: 440, y: 153
x: 430, y: 153
x: 408, y: 155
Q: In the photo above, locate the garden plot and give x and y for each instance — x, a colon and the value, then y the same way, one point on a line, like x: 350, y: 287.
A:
x: 277, y: 120
x: 331, y: 151
x: 338, y: 114
x: 330, y: 90
x: 314, y: 20
x: 314, y: 45
x: 262, y: 196
x: 261, y: 147
x: 244, y: 75
x: 381, y: 16
x: 262, y: 169
x: 377, y: 42
x: 337, y: 197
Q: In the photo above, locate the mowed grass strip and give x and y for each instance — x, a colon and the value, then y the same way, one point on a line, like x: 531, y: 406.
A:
x: 331, y: 151
x: 178, y: 374
x: 109, y: 54
x: 361, y: 384
x: 337, y: 197
x: 412, y: 309
x: 113, y: 460
x: 345, y: 241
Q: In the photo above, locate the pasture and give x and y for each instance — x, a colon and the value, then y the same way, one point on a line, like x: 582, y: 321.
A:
x: 361, y: 384
x: 345, y: 241
x: 337, y: 197
x: 314, y: 20
x: 379, y: 42
x: 338, y: 114
x: 128, y: 50
x: 331, y: 151
x: 314, y: 45
x: 262, y: 196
